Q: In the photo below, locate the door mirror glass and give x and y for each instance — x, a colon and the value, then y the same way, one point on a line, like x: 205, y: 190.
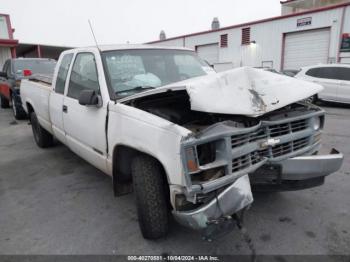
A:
x: 89, y: 97
x: 3, y: 74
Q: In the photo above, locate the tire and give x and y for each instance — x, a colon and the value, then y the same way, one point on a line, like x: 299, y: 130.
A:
x: 151, y: 197
x: 4, y: 102
x: 18, y: 111
x: 42, y: 138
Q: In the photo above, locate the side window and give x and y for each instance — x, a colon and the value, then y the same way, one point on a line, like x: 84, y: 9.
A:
x: 314, y: 72
x: 83, y: 75
x: 323, y: 72
x: 328, y: 72
x: 62, y: 73
x: 344, y: 73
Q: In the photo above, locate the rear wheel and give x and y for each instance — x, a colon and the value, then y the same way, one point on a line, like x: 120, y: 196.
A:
x: 42, y: 138
x: 4, y: 102
x: 151, y: 197
x: 18, y: 111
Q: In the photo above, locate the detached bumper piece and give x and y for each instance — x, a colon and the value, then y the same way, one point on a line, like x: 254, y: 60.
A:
x: 214, y: 217
x: 296, y: 173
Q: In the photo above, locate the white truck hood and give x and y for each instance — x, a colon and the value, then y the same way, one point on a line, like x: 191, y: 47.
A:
x: 241, y: 91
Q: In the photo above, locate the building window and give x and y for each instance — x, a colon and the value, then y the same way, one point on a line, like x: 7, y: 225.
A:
x: 223, y: 40
x: 246, y: 36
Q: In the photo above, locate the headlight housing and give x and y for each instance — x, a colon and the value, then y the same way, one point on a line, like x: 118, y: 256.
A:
x: 200, y: 155
x: 316, y: 123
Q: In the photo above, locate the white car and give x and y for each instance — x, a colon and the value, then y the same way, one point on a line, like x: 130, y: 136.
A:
x: 335, y: 78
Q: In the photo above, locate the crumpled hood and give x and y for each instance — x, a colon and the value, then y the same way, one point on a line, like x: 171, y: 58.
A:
x: 241, y: 91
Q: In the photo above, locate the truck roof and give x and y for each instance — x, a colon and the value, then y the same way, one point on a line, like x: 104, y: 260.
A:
x: 133, y: 46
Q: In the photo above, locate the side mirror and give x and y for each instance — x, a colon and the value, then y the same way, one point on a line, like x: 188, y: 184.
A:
x: 3, y: 74
x: 89, y: 98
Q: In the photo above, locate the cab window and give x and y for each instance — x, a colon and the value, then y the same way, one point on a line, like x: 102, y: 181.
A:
x: 83, y: 76
x: 62, y: 73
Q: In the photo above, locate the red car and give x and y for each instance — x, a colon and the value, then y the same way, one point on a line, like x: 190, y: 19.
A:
x: 13, y: 72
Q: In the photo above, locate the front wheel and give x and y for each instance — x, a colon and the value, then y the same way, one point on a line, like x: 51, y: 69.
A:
x: 42, y: 138
x: 151, y: 197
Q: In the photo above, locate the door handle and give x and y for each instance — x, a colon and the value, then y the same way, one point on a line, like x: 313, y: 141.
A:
x: 65, y: 109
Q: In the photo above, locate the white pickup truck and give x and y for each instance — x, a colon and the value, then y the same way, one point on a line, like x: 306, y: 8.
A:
x: 186, y: 140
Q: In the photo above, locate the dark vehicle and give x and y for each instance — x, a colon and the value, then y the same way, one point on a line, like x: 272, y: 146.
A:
x: 13, y: 72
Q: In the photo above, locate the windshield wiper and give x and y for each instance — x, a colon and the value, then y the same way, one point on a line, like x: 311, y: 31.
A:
x: 137, y: 88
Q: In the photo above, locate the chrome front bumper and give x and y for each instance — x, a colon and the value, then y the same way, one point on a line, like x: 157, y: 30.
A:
x: 233, y: 199
x: 308, y: 167
x: 239, y: 195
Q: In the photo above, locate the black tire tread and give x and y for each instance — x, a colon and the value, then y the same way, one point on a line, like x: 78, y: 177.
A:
x: 44, y: 139
x: 20, y: 113
x: 4, y: 102
x: 149, y: 188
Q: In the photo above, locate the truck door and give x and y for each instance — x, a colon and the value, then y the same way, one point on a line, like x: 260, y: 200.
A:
x: 85, y: 125
x: 57, y: 96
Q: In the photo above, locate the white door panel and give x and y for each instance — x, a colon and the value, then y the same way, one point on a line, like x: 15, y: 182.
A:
x: 344, y: 92
x: 56, y: 104
x: 84, y: 126
x: 85, y: 131
x: 330, y: 91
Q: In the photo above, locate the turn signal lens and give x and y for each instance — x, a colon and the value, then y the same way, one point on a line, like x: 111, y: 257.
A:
x: 192, y: 165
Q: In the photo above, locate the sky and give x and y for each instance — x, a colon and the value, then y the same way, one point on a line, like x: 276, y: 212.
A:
x: 65, y: 22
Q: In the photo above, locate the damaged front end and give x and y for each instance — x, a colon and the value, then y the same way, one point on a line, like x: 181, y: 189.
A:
x: 247, y: 128
x: 218, y: 159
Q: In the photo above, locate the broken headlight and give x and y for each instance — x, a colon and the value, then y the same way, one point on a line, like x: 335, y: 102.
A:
x: 200, y: 155
x: 206, y: 153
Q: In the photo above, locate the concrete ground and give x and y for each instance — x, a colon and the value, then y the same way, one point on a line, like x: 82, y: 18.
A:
x: 53, y: 202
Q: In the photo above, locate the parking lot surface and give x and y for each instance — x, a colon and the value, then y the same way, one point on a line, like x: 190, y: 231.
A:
x: 53, y: 202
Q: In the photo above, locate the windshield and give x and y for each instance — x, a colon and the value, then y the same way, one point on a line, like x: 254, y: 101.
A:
x: 36, y: 66
x: 132, y: 71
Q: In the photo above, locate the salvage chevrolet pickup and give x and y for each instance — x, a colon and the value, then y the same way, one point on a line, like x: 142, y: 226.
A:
x: 185, y: 139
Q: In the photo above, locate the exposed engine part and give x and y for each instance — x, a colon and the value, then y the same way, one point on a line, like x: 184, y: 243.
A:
x: 175, y: 107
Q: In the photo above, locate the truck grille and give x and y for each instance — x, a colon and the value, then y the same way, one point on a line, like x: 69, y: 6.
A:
x: 269, y: 131
x: 264, y: 133
x: 255, y: 157
x: 289, y: 147
x: 245, y: 161
x: 287, y: 128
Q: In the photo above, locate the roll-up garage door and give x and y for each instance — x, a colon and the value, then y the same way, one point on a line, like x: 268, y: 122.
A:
x: 306, y: 48
x: 210, y: 52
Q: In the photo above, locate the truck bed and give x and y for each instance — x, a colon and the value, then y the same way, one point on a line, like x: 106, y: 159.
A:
x: 36, y: 91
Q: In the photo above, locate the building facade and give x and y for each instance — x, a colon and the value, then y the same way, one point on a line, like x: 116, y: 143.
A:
x: 303, y: 35
x: 7, y: 43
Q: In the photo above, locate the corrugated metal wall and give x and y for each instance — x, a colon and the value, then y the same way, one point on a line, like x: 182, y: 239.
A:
x: 5, y: 53
x: 269, y: 39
